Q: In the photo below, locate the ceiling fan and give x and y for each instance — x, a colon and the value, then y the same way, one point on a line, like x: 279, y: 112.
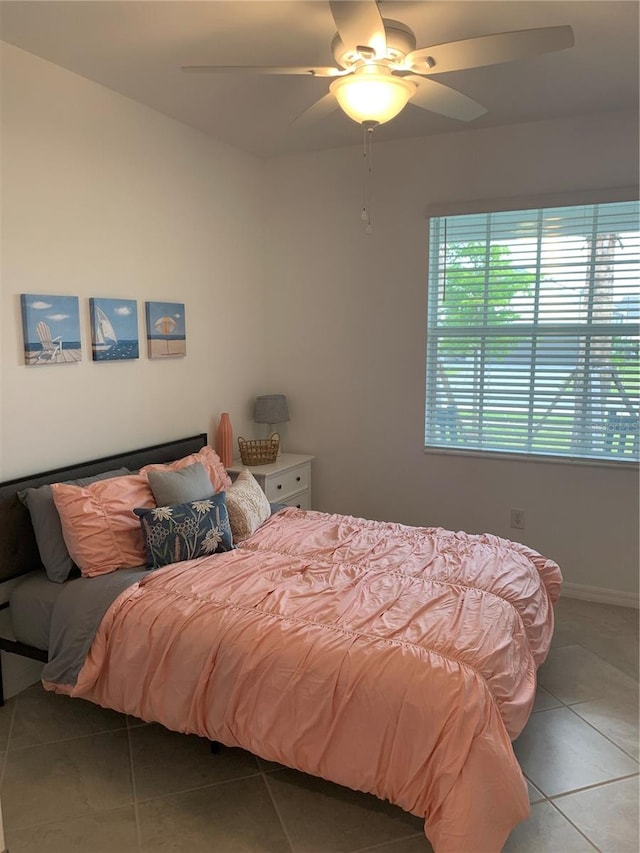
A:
x: 379, y: 69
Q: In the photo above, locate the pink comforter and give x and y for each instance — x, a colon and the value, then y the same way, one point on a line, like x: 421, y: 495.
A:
x: 390, y: 659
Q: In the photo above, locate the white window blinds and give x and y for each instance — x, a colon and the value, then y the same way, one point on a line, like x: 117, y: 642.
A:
x: 533, y: 332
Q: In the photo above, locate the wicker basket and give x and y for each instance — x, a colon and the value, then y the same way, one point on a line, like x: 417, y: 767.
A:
x: 259, y: 451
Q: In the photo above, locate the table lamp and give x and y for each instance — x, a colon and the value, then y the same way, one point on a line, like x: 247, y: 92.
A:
x: 271, y: 409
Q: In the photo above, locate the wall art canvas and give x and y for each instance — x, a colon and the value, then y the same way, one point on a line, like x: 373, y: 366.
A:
x: 114, y: 329
x: 51, y: 329
x: 166, y: 331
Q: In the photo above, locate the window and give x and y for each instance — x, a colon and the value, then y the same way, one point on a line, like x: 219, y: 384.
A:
x: 533, y: 332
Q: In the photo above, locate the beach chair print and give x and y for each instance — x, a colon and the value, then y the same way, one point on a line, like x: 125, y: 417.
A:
x: 50, y: 346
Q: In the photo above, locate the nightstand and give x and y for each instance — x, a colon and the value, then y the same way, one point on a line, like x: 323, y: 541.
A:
x: 285, y: 481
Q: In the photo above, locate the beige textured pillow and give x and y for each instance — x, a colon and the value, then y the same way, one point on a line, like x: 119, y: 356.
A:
x: 247, y: 506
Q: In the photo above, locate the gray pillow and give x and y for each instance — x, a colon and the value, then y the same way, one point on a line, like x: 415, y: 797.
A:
x: 190, y: 483
x: 46, y: 524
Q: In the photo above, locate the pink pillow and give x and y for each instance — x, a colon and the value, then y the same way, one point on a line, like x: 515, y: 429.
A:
x: 207, y: 457
x: 100, y: 530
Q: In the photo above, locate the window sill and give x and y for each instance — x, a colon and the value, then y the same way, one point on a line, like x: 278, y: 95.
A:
x: 627, y: 465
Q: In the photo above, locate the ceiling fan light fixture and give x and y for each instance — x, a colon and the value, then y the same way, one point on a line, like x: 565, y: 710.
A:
x: 372, y: 93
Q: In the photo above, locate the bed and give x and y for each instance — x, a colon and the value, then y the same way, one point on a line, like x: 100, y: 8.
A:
x: 390, y: 659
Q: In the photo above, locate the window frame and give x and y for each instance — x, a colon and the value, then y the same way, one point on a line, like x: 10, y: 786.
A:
x: 487, y: 206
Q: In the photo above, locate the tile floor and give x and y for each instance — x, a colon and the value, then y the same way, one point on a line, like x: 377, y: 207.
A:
x: 79, y: 779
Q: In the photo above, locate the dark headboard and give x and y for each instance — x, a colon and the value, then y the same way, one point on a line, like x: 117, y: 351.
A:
x: 18, y: 549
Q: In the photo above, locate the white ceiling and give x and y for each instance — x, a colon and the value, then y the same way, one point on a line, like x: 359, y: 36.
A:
x: 136, y: 47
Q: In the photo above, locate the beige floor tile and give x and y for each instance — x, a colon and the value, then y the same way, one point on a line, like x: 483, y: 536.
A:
x: 575, y: 674
x: 414, y: 844
x: 235, y: 817
x: 544, y: 700
x: 608, y: 815
x: 546, y: 831
x: 101, y: 832
x: 321, y: 817
x: 591, y: 618
x: 6, y: 717
x: 610, y: 632
x: 562, y: 637
x: 67, y: 779
x: 269, y: 766
x: 43, y: 717
x: 166, y: 762
x: 616, y: 717
x: 134, y: 722
x: 559, y: 752
x: 535, y: 796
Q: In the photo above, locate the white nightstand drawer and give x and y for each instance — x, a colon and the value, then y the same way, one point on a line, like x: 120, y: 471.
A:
x: 301, y: 501
x: 285, y: 481
x: 281, y: 486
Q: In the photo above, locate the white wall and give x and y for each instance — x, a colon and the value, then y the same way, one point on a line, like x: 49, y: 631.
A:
x: 103, y: 197
x: 347, y: 340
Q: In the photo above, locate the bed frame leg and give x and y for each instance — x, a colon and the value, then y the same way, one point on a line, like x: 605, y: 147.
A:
x: 216, y: 747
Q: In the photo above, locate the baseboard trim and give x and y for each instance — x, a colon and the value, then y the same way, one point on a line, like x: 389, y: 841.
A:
x: 601, y: 595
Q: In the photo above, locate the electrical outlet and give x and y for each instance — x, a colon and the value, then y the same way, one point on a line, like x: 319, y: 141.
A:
x: 517, y: 518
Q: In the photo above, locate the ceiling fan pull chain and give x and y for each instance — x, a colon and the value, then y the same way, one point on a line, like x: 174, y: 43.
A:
x: 369, y: 227
x: 365, y: 213
x: 368, y: 173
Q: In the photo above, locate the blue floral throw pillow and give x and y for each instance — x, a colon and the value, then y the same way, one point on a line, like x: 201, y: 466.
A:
x: 186, y: 531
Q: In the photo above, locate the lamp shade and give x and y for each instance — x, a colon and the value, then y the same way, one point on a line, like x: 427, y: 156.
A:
x: 271, y: 409
x: 372, y: 94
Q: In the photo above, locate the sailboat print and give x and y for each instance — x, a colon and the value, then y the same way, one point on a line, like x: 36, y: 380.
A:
x: 104, y: 335
x: 114, y: 329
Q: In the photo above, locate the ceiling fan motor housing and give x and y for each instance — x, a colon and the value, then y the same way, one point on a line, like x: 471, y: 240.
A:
x: 400, y: 42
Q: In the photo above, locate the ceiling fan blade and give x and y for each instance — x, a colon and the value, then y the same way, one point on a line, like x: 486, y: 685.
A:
x: 359, y: 23
x: 305, y: 70
x: 444, y: 100
x: 489, y: 50
x: 321, y: 109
